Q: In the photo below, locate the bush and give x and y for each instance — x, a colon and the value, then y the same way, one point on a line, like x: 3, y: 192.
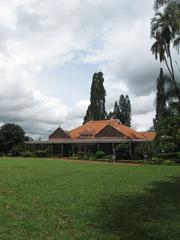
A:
x: 93, y: 157
x: 16, y: 151
x: 41, y: 153
x: 27, y: 154
x: 99, y: 154
x: 107, y: 157
x: 156, y: 161
x: 167, y: 163
x: 73, y: 158
x: 1, y: 154
x: 165, y: 155
x: 80, y: 155
x: 85, y: 157
x: 172, y: 156
x: 177, y: 159
x: 123, y: 151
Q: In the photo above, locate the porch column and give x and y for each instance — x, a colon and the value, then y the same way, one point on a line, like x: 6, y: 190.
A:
x: 85, y: 147
x: 130, y: 150
x: 98, y: 147
x: 52, y: 152
x: 72, y: 149
x: 62, y: 150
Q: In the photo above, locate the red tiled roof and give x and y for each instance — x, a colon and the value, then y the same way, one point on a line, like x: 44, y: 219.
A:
x: 149, y: 135
x: 96, y: 126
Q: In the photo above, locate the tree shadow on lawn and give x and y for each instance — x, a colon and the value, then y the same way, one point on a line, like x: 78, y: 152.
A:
x: 152, y: 216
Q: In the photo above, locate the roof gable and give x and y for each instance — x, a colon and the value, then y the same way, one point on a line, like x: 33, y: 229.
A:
x: 109, y: 131
x: 96, y: 126
x: 59, y: 133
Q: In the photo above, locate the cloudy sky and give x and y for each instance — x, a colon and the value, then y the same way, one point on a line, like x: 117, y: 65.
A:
x: 49, y: 50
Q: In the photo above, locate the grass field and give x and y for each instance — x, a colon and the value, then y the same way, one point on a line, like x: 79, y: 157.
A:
x: 66, y: 200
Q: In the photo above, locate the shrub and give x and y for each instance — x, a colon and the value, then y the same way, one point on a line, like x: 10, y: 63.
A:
x: 16, y: 151
x: 89, y: 155
x: 27, y: 154
x: 1, y: 154
x: 156, y: 160
x: 177, y: 159
x: 167, y: 163
x: 85, y: 157
x: 99, y: 154
x: 172, y: 156
x: 165, y: 155
x: 107, y: 157
x: 123, y: 151
x: 93, y: 157
x: 41, y: 153
x: 73, y: 158
x: 80, y: 155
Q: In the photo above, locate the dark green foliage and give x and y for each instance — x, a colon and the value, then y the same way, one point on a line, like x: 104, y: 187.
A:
x: 41, y: 153
x: 160, y: 98
x: 116, y: 112
x: 167, y: 129
x: 125, y: 110
x: 10, y: 135
x: 142, y: 150
x: 80, y: 155
x: 27, y: 154
x: 96, y: 109
x: 174, y: 156
x: 123, y: 151
x: 168, y: 163
x: 156, y: 161
x: 17, y: 150
x: 99, y: 154
x: 122, y: 111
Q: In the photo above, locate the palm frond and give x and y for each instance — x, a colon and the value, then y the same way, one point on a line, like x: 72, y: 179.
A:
x: 176, y: 43
x: 160, y: 3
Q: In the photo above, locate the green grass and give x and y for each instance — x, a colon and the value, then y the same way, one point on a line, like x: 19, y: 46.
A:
x: 66, y: 200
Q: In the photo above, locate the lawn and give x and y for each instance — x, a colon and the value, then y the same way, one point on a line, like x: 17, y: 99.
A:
x: 66, y: 200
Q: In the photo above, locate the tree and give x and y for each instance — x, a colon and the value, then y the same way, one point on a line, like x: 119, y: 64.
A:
x: 122, y: 111
x: 165, y: 29
x: 167, y: 130
x: 116, y: 112
x: 168, y: 121
x: 128, y: 111
x: 96, y: 109
x: 10, y: 136
x: 125, y: 110
x: 160, y: 98
x: 161, y: 3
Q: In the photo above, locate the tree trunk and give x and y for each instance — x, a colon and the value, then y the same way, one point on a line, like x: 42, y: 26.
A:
x: 171, y: 71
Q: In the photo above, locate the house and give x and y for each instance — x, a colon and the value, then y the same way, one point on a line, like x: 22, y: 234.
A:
x: 102, y: 135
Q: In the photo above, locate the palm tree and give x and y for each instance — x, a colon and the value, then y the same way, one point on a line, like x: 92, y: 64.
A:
x: 161, y: 3
x: 165, y: 28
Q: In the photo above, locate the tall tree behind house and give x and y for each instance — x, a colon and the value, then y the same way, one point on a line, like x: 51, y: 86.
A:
x: 122, y: 111
x: 96, y: 109
x: 125, y: 110
x: 160, y: 98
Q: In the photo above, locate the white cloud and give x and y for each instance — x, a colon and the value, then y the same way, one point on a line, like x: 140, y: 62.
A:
x: 37, y: 35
